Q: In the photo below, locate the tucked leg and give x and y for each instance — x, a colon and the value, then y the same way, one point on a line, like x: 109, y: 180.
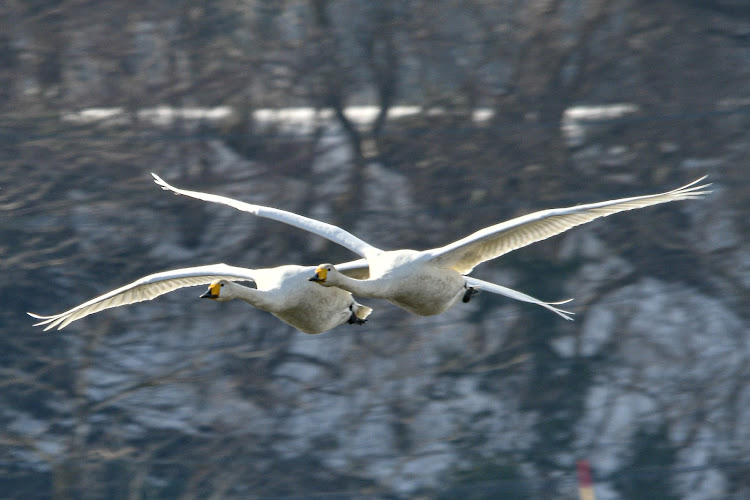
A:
x: 354, y: 320
x: 470, y: 292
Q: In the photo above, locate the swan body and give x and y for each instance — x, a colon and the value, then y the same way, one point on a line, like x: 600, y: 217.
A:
x: 431, y: 281
x: 283, y: 291
x: 404, y: 278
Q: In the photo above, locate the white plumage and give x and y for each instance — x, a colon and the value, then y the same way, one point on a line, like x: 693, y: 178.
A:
x: 431, y: 281
x: 283, y: 291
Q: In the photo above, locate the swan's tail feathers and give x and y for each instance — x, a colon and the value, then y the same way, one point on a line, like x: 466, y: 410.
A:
x: 360, y: 311
x: 514, y: 294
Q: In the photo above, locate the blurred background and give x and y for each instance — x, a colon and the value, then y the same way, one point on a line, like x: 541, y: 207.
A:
x: 411, y: 124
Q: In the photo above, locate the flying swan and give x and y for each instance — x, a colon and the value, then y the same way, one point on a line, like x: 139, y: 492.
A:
x: 429, y: 282
x: 283, y: 291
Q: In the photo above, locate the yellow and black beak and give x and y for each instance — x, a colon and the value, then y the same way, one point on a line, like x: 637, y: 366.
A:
x: 320, y: 275
x: 212, y: 292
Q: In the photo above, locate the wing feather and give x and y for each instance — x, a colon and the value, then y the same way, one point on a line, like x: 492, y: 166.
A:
x: 514, y: 294
x: 328, y: 231
x: 147, y: 288
x: 494, y: 241
x: 357, y: 269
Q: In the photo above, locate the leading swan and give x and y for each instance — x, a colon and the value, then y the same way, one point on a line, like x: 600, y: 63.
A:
x: 429, y: 282
x: 283, y: 291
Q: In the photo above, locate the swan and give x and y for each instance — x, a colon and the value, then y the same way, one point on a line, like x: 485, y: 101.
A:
x: 283, y: 291
x: 429, y: 282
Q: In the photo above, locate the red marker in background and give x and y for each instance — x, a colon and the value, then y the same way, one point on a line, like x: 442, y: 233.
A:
x: 585, y: 484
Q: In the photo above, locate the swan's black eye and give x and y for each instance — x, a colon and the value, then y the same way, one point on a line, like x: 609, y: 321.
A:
x: 222, y: 284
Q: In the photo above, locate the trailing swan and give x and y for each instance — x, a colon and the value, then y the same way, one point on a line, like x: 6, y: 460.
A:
x: 429, y: 282
x: 283, y: 291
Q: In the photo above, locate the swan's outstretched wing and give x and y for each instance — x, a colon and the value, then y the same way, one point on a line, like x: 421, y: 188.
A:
x: 513, y: 294
x: 494, y: 241
x: 357, y: 269
x: 328, y: 231
x: 147, y: 288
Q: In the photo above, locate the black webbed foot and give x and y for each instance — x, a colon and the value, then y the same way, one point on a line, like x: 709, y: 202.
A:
x: 354, y: 320
x: 470, y: 292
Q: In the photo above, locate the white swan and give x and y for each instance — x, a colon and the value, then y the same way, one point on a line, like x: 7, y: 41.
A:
x: 431, y: 281
x: 283, y: 291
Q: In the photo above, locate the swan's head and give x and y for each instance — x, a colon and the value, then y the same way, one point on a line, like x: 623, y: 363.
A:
x: 219, y: 290
x: 324, y: 274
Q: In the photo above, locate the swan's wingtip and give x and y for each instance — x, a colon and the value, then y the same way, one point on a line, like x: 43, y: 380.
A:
x: 163, y: 184
x: 158, y: 179
x: 561, y: 302
x: 46, y: 320
x: 696, y: 181
x: 561, y: 312
x: 566, y: 314
x: 692, y: 187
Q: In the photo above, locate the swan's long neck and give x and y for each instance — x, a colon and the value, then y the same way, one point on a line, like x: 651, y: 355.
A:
x: 252, y: 296
x: 365, y: 288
